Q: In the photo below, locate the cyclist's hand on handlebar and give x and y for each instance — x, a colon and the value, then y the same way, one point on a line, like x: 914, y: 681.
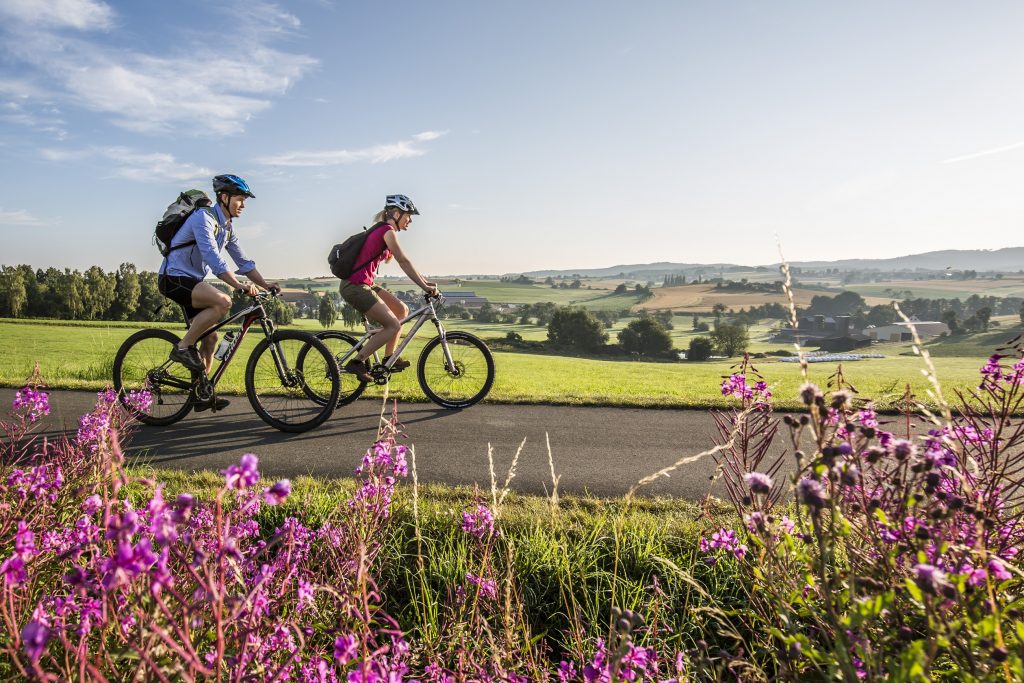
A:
x: 274, y: 288
x: 248, y: 289
x: 432, y: 290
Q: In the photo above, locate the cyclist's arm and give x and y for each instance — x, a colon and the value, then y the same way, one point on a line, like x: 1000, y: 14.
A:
x: 408, y: 268
x: 203, y: 230
x: 255, y: 276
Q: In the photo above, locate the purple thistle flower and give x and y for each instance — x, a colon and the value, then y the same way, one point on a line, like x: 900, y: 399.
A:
x: 277, y: 493
x: 34, y: 637
x: 809, y: 393
x: 810, y: 493
x: 758, y: 482
x: 903, y: 449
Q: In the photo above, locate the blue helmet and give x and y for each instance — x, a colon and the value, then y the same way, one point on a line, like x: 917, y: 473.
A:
x: 231, y: 185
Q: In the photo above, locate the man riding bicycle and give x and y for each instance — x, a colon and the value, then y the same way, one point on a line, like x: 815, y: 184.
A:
x: 195, y: 252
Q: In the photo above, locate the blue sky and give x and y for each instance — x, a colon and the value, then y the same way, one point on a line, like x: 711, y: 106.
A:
x: 531, y: 134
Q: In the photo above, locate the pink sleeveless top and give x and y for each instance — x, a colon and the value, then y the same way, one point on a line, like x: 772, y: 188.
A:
x: 374, y: 245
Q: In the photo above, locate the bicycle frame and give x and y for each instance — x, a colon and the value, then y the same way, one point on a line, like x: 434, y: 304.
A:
x: 250, y: 315
x: 424, y: 314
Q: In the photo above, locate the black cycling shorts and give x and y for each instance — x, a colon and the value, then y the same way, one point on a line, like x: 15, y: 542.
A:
x: 178, y: 288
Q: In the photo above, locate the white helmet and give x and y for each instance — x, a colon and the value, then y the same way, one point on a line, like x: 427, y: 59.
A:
x: 400, y: 201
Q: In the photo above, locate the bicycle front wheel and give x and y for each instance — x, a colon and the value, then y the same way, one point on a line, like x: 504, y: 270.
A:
x: 341, y: 346
x: 151, y: 387
x: 280, y: 385
x: 463, y: 381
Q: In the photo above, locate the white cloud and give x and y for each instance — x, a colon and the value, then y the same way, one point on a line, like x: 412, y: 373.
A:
x: 131, y: 164
x: 18, y: 217
x: 428, y: 135
x: 211, y: 85
x: 83, y: 15
x: 334, y: 157
x: 984, y: 153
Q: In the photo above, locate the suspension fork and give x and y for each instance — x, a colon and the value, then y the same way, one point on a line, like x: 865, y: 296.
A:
x: 449, y: 361
x: 275, y: 350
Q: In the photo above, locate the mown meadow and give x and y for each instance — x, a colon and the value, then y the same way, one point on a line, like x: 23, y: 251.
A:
x: 80, y: 356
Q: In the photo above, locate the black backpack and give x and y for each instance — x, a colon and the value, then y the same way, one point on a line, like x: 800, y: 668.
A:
x: 175, y: 216
x: 342, y: 258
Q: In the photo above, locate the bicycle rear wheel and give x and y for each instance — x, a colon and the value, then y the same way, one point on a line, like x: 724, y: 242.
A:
x: 280, y: 386
x: 463, y: 383
x: 142, y: 365
x: 340, y: 344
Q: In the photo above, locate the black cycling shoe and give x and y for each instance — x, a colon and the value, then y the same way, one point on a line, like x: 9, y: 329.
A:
x: 189, y: 357
x: 216, y: 404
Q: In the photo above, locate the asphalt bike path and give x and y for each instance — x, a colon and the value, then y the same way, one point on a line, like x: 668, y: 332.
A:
x: 596, y: 450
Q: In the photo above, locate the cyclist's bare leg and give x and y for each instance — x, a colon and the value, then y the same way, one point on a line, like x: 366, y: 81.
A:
x: 389, y: 329
x: 214, y: 305
x: 399, y: 310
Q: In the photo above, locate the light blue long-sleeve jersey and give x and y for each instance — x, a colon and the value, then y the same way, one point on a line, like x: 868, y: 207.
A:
x: 212, y: 233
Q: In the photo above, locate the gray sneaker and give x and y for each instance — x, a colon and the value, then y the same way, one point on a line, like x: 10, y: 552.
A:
x: 189, y: 357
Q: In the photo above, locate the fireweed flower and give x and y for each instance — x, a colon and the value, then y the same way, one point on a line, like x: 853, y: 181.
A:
x: 276, y: 494
x: 758, y: 482
x: 930, y: 579
x: 867, y: 417
x: 33, y: 402
x: 34, y: 637
x: 998, y: 570
x: 487, y: 587
x: 345, y: 648
x: 479, y: 523
x: 992, y: 372
x: 243, y: 475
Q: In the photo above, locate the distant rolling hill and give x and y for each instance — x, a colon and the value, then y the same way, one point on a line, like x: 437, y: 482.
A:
x: 1010, y: 259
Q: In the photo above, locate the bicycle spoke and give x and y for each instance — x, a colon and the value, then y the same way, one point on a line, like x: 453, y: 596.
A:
x: 141, y: 364
x: 284, y: 391
x: 461, y: 382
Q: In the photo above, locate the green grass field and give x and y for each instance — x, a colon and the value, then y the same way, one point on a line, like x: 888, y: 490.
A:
x: 81, y: 356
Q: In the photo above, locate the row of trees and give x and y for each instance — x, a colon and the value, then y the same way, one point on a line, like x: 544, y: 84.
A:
x: 95, y: 294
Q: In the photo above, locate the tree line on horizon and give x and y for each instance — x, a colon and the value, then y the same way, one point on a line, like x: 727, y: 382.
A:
x: 96, y: 294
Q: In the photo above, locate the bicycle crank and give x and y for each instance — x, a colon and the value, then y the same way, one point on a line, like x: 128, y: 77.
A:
x: 381, y: 375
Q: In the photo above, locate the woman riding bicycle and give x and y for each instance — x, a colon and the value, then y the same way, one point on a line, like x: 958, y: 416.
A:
x: 373, y: 301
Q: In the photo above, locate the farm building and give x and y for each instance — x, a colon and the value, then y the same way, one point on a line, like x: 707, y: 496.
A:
x: 901, y: 331
x: 826, y: 332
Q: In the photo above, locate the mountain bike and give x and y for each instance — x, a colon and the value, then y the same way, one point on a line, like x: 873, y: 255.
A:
x: 284, y: 369
x: 455, y: 369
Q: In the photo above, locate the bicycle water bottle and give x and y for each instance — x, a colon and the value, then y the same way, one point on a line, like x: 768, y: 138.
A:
x: 225, y: 345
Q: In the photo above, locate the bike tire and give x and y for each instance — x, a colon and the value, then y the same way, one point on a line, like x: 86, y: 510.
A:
x: 140, y: 364
x: 339, y: 344
x: 285, y: 404
x: 474, y: 367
